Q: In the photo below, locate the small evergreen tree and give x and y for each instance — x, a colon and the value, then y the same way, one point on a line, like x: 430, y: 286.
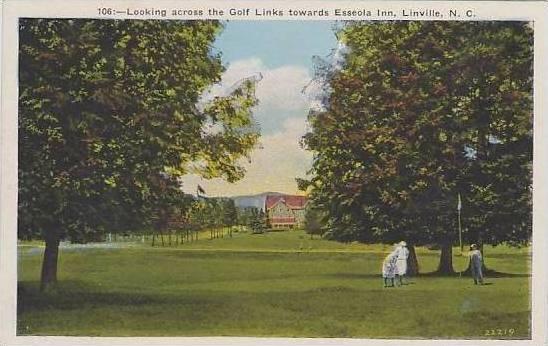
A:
x: 257, y: 221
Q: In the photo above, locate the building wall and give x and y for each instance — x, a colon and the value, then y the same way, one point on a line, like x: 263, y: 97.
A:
x: 281, y: 216
x: 299, y: 217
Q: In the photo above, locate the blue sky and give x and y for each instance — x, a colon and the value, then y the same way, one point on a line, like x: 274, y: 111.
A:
x: 277, y: 43
x: 282, y: 52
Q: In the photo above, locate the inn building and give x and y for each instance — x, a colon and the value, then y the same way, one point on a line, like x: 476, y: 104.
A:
x: 285, y: 211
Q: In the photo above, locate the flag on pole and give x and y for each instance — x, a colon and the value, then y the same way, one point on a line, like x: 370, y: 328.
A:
x: 200, y: 190
x: 459, y: 207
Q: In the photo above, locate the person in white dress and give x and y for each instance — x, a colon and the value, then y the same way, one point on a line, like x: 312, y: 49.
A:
x: 401, y: 264
x: 389, y: 269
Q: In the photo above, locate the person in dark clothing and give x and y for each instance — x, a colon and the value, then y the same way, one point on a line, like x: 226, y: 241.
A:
x: 476, y: 263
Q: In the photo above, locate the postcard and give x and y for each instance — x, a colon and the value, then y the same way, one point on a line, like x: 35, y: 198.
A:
x: 279, y: 173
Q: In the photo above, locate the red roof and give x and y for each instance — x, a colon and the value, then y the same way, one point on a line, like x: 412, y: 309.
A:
x: 293, y: 202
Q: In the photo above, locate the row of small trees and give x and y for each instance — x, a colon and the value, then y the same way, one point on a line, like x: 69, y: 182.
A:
x: 222, y: 213
x: 416, y: 114
x: 212, y: 213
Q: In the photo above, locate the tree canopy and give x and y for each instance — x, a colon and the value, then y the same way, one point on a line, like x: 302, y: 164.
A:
x: 417, y: 113
x: 111, y: 114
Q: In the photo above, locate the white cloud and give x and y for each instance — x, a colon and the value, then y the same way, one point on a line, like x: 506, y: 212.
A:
x: 236, y: 72
x: 273, y: 167
x: 280, y: 91
x: 281, y: 88
x: 281, y: 112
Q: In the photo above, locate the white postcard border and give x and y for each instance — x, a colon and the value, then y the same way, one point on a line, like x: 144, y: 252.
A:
x: 12, y: 10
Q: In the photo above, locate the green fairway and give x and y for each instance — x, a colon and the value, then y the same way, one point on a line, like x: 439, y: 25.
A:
x: 276, y: 284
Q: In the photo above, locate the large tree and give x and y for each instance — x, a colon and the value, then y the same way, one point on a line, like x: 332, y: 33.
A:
x: 111, y: 113
x: 412, y: 119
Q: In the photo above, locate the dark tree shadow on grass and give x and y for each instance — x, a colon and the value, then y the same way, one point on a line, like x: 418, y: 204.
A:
x: 73, y: 295
x: 353, y: 276
x: 495, y: 274
x: 489, y: 273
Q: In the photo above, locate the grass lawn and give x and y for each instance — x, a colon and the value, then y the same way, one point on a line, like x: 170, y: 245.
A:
x: 277, y: 284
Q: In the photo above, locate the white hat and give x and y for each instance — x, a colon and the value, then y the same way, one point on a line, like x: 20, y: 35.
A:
x: 402, y: 243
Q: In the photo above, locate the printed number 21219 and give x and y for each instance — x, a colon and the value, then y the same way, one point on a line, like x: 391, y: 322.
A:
x: 500, y: 332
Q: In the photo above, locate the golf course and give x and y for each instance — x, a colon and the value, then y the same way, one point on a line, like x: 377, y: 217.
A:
x: 274, y: 178
x: 276, y: 284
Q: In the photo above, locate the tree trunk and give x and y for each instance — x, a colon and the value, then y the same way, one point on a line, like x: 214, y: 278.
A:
x: 446, y: 259
x: 48, y: 278
x: 412, y: 262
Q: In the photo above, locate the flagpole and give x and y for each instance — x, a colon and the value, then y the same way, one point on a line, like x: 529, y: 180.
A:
x: 459, y: 207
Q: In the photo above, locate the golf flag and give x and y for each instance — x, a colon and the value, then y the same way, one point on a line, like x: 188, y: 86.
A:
x: 459, y: 207
x: 201, y: 190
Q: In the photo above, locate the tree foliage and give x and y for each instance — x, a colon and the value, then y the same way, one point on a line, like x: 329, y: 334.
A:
x: 257, y: 221
x: 110, y: 117
x: 417, y: 113
x: 314, y: 220
x: 212, y: 213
